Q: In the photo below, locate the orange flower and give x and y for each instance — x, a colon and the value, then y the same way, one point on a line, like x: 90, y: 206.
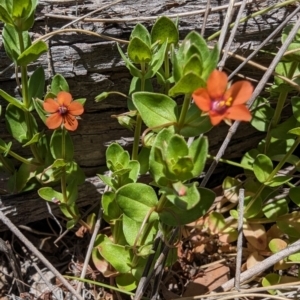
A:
x: 63, y: 111
x: 222, y: 103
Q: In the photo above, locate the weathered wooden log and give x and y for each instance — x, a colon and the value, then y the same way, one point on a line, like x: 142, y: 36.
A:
x: 93, y: 65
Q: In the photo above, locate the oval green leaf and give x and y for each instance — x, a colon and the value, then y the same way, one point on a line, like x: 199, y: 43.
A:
x: 262, y: 167
x: 155, y: 109
x: 136, y: 200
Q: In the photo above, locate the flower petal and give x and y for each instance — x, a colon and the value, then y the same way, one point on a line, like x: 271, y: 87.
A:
x: 216, y: 118
x: 217, y: 84
x: 75, y: 108
x: 202, y: 99
x: 240, y: 92
x: 50, y: 105
x: 70, y: 122
x: 64, y: 98
x: 239, y: 113
x: 54, y: 121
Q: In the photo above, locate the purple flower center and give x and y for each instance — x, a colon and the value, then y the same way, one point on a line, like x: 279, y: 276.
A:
x: 221, y: 105
x: 62, y: 110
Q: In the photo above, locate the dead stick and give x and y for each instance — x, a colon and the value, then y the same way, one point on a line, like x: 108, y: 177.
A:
x: 38, y: 254
x: 261, y: 267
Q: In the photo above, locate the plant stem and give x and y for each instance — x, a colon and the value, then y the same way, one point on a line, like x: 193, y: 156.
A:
x: 63, y: 179
x: 6, y: 166
x: 230, y: 162
x: 137, y: 134
x: 27, y: 103
x: 18, y: 157
x: 282, y: 97
x: 138, y: 125
x: 167, y: 70
x: 184, y: 109
x: 161, y: 203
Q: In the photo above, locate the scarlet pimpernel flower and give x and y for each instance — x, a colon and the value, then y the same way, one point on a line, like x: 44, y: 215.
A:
x: 221, y: 103
x: 63, y: 111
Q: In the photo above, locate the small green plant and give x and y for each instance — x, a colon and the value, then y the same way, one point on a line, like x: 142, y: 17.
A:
x: 51, y: 160
x: 174, y: 150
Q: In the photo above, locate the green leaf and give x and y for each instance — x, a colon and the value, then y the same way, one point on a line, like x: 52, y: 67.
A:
x: 275, y: 209
x: 279, y: 180
x: 138, y: 51
x: 5, y: 16
x: 58, y: 84
x: 295, y: 131
x: 144, y: 160
x: 294, y: 195
x: 183, y: 196
x: 141, y: 32
x: 72, y: 191
x: 131, y: 230
x: 136, y: 200
x: 111, y: 210
x: 36, y: 84
x: 174, y: 216
x: 248, y: 159
x: 49, y: 194
x: 24, y: 174
x: 155, y: 109
x: 36, y: 137
x: 38, y: 105
x: 210, y: 62
x: 126, y: 282
x: 180, y: 169
x: 16, y: 123
x: 156, y: 61
x: 262, y: 114
x: 282, y: 130
x: 12, y: 100
x: 295, y: 44
x: 107, y: 180
x: 198, y: 41
x: 231, y: 187
x: 11, y: 42
x: 296, y: 107
x: 176, y: 148
x: 56, y: 145
x: 156, y: 161
x: 32, y: 53
x: 74, y: 172
x: 187, y: 84
x: 118, y: 256
x: 71, y: 223
x: 262, y: 167
x: 198, y: 151
x: 116, y: 157
x: 26, y: 24
x: 164, y: 30
x: 256, y: 207
x: 290, y: 224
x: 194, y: 65
x: 21, y: 9
x: 129, y: 65
x: 276, y: 147
x: 269, y: 280
x: 195, y: 123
